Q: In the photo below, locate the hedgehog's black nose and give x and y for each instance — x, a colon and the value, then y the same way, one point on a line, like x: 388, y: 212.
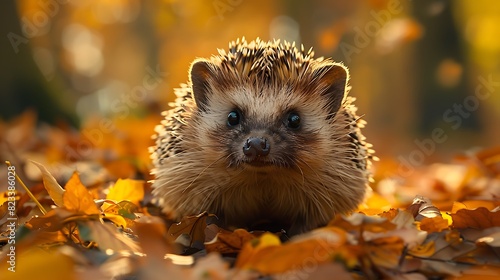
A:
x: 256, y: 147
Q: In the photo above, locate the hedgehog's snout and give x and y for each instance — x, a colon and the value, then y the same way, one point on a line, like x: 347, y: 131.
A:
x: 256, y: 147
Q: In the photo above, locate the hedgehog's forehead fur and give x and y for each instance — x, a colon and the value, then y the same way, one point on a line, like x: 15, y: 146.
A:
x: 270, y: 63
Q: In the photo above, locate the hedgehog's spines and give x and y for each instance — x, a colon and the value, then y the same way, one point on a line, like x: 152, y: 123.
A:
x: 192, y: 175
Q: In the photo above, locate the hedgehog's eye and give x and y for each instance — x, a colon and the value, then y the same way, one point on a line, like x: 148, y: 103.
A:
x: 293, y: 120
x: 233, y: 118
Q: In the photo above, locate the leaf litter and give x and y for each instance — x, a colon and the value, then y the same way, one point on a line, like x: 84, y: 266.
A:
x: 105, y: 224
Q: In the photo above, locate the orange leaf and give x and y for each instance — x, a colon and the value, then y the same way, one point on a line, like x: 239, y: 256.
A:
x: 479, y: 218
x: 436, y: 224
x: 269, y: 257
x: 77, y: 198
x: 153, y: 236
x: 256, y: 248
x: 474, y: 204
x: 390, y: 214
x: 385, y: 252
x: 362, y: 222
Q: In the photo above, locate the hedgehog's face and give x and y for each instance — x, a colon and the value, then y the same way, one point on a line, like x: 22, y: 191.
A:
x: 264, y: 125
x: 260, y: 137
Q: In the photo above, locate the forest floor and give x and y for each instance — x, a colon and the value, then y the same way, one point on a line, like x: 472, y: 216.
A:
x: 78, y: 205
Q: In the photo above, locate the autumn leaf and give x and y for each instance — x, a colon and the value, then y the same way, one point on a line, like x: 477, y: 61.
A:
x: 385, y: 252
x: 435, y: 224
x: 108, y: 237
x: 127, y: 189
x: 251, y: 249
x: 77, y: 198
x: 268, y: 256
x: 227, y: 242
x: 474, y: 204
x: 483, y: 272
x: 56, y: 192
x: 191, y: 226
x: 54, y: 220
x: 492, y: 239
x: 153, y: 236
x: 326, y: 271
x: 479, y: 218
x: 40, y: 264
x: 374, y: 205
x: 423, y: 250
x: 362, y: 222
x: 121, y: 213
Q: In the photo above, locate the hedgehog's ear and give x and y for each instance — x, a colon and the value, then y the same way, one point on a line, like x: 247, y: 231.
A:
x: 333, y: 80
x: 200, y: 73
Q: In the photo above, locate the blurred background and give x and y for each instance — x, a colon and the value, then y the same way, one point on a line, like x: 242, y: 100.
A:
x: 426, y: 73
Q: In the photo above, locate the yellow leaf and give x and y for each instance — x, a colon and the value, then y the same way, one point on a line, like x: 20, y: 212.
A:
x: 131, y: 190
x: 374, y: 205
x: 119, y: 220
x: 41, y: 265
x: 423, y: 250
x: 447, y: 217
x: 56, y: 192
x: 77, y: 198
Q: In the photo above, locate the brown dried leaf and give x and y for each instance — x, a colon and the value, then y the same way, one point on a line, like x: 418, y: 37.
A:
x: 479, y: 218
x: 54, y: 220
x: 193, y: 226
x: 474, y: 204
x: 227, y: 242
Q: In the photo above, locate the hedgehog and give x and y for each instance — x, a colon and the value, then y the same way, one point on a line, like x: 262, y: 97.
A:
x: 263, y: 136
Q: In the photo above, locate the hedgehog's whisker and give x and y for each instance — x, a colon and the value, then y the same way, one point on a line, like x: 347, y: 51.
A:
x: 204, y: 169
x: 313, y: 193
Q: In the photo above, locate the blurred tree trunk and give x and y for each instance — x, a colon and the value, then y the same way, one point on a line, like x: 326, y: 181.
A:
x: 22, y: 85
